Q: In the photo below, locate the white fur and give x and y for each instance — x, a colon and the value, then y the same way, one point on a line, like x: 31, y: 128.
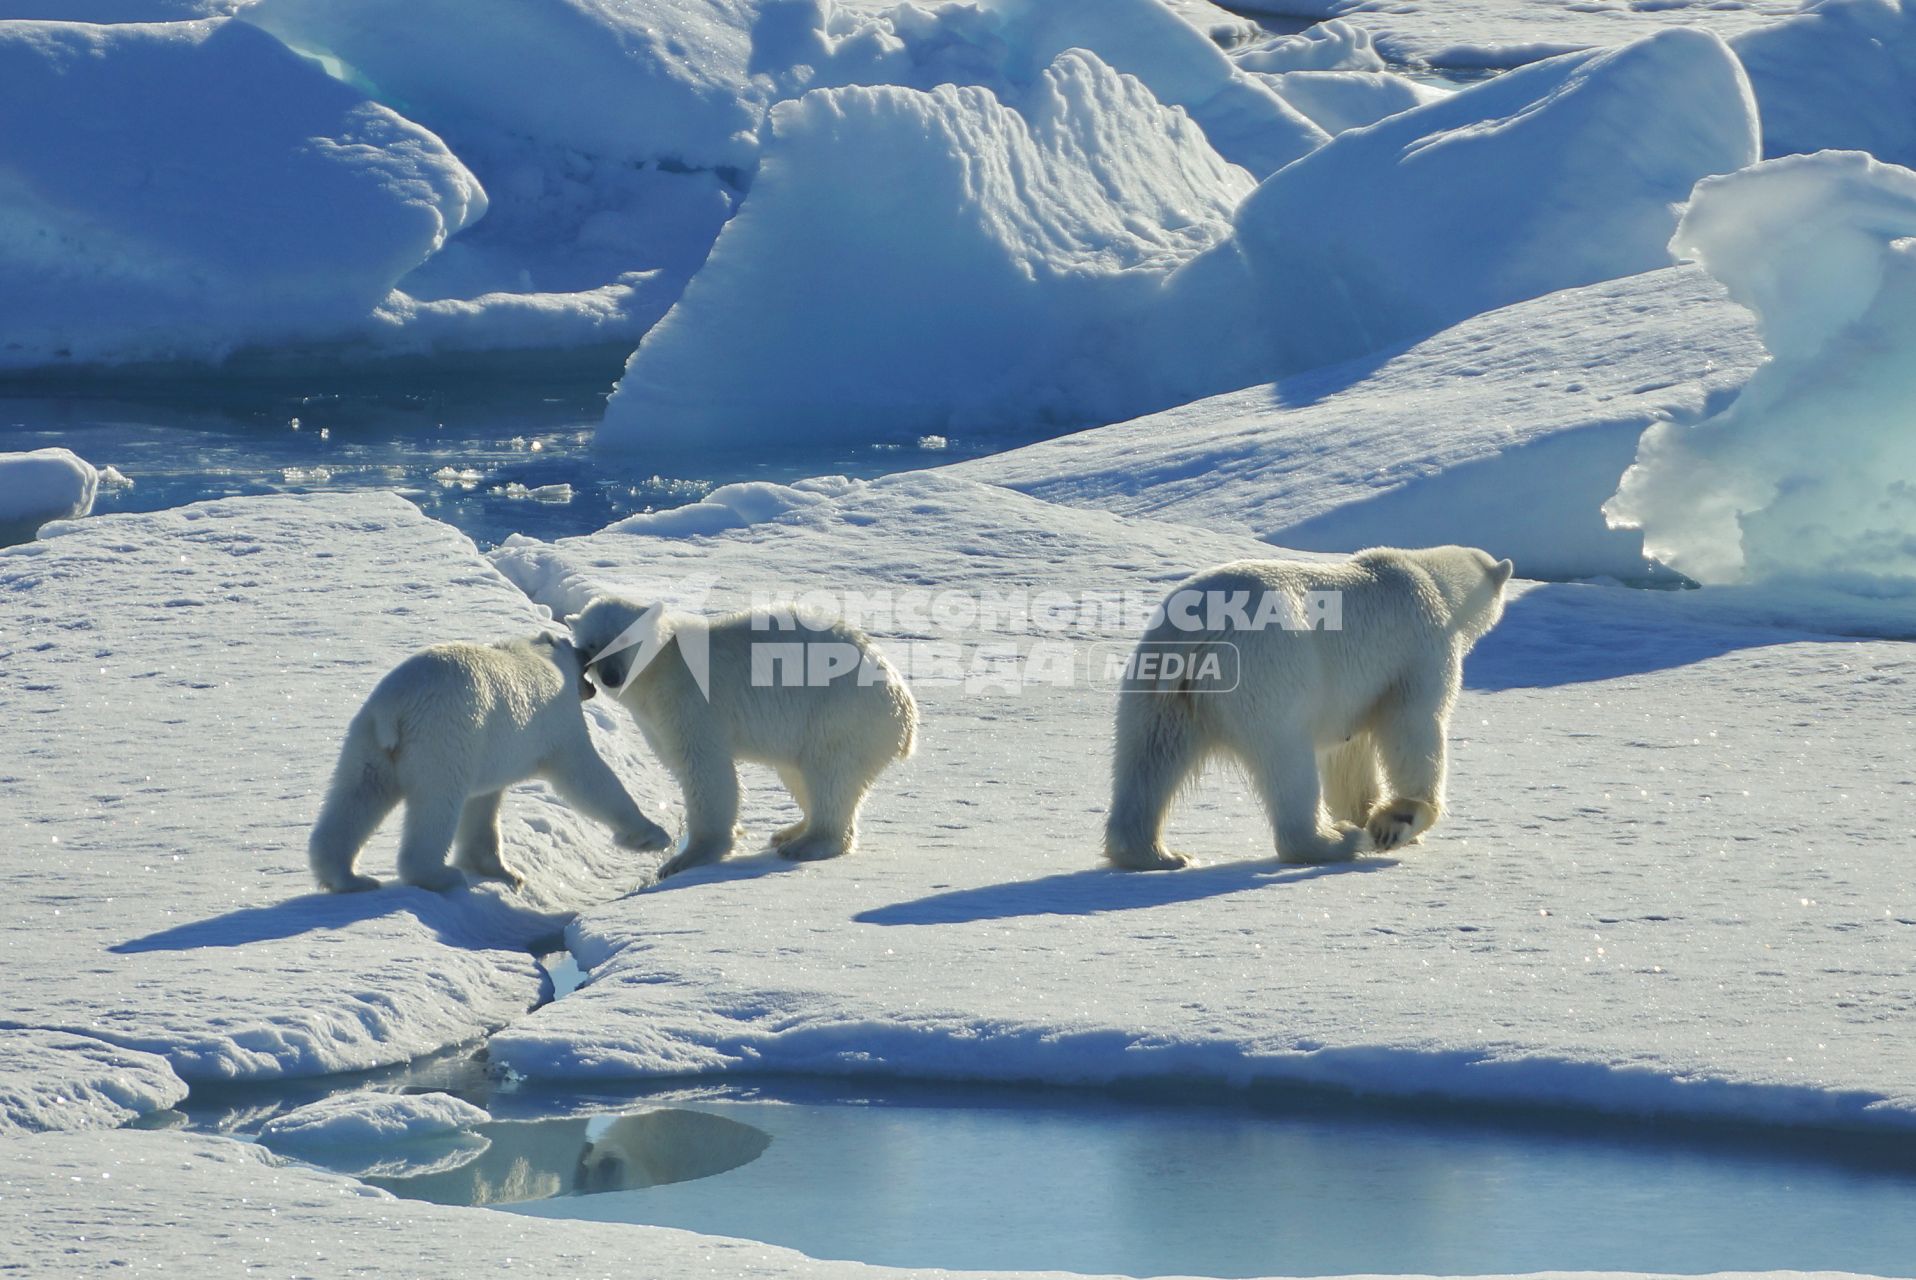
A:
x: 446, y: 731
x: 1342, y: 732
x: 827, y: 741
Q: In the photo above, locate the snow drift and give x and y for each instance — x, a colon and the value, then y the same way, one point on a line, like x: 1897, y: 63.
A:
x: 1809, y: 473
x: 1842, y: 75
x: 46, y: 484
x: 181, y: 190
x: 911, y: 259
x: 1557, y: 175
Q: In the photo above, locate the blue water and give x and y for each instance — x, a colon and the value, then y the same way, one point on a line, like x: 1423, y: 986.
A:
x: 211, y: 440
x: 1293, y: 1183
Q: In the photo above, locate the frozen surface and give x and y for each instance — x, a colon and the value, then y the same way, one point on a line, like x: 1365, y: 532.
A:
x: 144, y: 219
x: 1506, y: 33
x: 368, y: 1119
x: 214, y: 1207
x: 1560, y: 174
x: 43, y: 485
x: 1339, y: 100
x: 1506, y: 432
x: 911, y: 259
x: 1807, y: 474
x: 51, y: 1080
x: 175, y: 687
x: 1841, y: 76
x: 1637, y: 904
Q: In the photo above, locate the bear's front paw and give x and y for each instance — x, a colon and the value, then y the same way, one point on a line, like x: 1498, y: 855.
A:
x: 692, y: 855
x: 353, y: 884
x: 646, y: 839
x: 437, y: 879
x: 814, y: 847
x: 1400, y: 822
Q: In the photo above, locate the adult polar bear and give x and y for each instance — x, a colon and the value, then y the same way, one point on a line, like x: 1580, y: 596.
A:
x: 446, y: 731
x: 815, y: 700
x: 1350, y: 717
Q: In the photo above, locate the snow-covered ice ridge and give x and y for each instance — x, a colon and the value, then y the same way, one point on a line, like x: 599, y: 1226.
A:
x: 1637, y: 905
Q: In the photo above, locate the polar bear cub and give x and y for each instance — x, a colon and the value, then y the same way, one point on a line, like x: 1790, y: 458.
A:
x: 1331, y: 683
x: 446, y: 731
x: 816, y: 701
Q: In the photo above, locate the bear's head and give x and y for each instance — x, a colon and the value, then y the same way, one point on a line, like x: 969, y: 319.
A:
x: 617, y: 638
x: 1472, y: 583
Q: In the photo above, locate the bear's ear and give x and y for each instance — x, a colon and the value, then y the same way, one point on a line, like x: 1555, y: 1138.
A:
x: 1501, y: 571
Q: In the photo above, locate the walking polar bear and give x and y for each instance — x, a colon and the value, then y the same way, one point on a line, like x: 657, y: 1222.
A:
x: 446, y: 731
x: 817, y: 702
x: 1349, y: 717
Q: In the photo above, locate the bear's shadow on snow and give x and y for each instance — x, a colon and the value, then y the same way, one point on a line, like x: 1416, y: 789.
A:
x: 465, y: 918
x: 1101, y: 890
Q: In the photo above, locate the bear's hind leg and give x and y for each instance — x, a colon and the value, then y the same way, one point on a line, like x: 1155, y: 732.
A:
x: 794, y: 781
x: 476, y: 846
x: 834, y: 790
x: 1284, y: 769
x: 430, y: 825
x: 1352, y: 782
x: 1156, y: 752
x: 356, y: 803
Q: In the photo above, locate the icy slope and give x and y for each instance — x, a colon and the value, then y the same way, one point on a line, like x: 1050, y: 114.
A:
x: 1506, y: 432
x: 50, y: 1080
x: 1638, y: 902
x: 174, y: 687
x: 1556, y: 175
x: 907, y: 259
x: 1808, y: 473
x: 1508, y: 33
x: 142, y: 217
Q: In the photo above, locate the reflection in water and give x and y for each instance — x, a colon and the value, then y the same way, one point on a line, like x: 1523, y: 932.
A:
x: 541, y: 1159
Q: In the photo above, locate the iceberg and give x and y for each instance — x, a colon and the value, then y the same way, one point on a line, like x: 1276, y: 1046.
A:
x: 1556, y: 175
x: 1809, y: 473
x: 140, y: 221
x: 44, y: 485
x: 908, y: 260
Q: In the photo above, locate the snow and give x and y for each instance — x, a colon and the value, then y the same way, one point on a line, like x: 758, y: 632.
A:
x: 50, y: 1080
x: 1336, y: 101
x: 1807, y: 474
x: 1636, y: 905
x: 43, y: 485
x: 1328, y: 46
x: 1842, y: 76
x: 1507, y: 431
x: 1555, y: 175
x: 1035, y: 229
x: 200, y: 665
x: 139, y: 222
x: 1508, y: 33
x: 366, y: 1119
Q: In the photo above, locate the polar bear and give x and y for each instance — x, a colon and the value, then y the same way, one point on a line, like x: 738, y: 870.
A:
x: 446, y: 731
x: 816, y: 701
x: 1331, y: 683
